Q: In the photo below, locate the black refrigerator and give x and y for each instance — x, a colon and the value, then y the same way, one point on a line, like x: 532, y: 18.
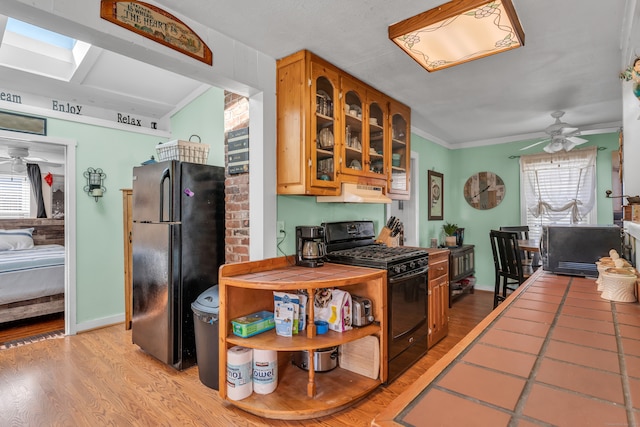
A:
x: 178, y: 246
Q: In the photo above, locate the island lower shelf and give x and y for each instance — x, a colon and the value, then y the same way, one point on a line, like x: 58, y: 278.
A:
x: 271, y: 341
x: 300, y: 394
x: 336, y: 389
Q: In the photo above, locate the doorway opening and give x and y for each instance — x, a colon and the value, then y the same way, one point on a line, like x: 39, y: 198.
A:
x: 59, y: 155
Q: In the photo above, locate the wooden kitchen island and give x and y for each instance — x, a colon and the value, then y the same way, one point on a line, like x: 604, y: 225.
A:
x: 248, y: 287
x: 554, y: 353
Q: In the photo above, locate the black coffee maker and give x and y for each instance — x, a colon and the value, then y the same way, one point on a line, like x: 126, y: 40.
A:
x: 310, y: 247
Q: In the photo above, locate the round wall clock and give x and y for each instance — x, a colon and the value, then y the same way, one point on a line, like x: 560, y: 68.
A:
x: 484, y: 190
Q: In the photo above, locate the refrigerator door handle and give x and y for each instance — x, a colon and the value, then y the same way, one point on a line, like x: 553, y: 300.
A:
x: 166, y: 174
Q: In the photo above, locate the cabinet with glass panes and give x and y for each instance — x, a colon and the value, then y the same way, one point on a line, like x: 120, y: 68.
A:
x: 400, y: 128
x: 332, y: 128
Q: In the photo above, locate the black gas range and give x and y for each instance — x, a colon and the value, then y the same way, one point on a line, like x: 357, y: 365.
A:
x: 353, y: 243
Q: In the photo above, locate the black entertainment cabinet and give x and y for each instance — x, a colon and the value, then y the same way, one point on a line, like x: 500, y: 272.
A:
x: 461, y: 266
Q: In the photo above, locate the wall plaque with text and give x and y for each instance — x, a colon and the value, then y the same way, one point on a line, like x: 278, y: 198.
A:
x: 156, y: 24
x: 238, y: 151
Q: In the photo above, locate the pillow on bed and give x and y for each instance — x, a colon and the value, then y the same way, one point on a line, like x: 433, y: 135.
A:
x: 13, y: 240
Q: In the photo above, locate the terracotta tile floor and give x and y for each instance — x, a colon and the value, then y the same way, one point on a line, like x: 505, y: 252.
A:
x: 557, y: 355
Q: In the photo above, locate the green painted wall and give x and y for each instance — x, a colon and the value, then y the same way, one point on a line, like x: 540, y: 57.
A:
x: 437, y: 158
x: 495, y: 158
x: 456, y: 166
x: 100, y: 269
x: 304, y: 210
x: 100, y: 252
x: 99, y: 241
x: 204, y: 117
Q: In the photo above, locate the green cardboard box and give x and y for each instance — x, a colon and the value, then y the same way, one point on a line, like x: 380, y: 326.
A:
x: 253, y: 324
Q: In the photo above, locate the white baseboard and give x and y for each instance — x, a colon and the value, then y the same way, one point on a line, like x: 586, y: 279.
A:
x: 100, y: 323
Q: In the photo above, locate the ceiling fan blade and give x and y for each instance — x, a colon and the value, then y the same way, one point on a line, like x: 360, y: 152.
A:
x: 567, y: 130
x: 576, y: 140
x: 534, y: 144
x: 51, y: 164
x: 34, y: 159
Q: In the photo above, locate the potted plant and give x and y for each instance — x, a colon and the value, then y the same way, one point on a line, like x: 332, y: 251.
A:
x: 450, y: 233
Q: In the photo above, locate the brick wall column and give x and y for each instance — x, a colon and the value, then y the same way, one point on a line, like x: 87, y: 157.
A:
x: 236, y: 116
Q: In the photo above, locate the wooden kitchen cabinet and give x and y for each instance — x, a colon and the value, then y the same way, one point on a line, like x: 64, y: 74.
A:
x: 354, y: 150
x: 438, y: 296
x: 308, y: 126
x: 248, y: 287
x: 376, y: 125
x: 400, y: 151
x: 333, y: 129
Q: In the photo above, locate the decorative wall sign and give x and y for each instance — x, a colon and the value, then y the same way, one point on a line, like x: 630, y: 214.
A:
x: 436, y: 195
x: 21, y: 123
x: 74, y: 111
x: 238, y: 151
x: 156, y: 24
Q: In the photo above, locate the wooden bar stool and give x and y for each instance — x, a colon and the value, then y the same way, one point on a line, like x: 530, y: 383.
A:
x: 509, y: 269
x: 528, y: 258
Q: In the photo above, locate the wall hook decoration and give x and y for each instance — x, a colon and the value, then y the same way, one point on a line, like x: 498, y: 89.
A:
x: 94, y: 187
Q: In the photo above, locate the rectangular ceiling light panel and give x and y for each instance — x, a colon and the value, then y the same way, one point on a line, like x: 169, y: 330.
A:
x: 458, y: 32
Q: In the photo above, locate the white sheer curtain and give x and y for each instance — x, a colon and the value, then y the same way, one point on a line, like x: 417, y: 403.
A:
x: 559, y: 188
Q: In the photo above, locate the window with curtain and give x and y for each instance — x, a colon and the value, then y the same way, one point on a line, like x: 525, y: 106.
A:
x: 558, y: 189
x: 15, y: 196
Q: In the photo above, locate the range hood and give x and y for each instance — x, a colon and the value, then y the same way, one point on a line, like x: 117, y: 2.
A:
x: 357, y: 193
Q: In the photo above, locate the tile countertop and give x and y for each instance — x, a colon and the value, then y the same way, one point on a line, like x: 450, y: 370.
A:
x: 554, y: 353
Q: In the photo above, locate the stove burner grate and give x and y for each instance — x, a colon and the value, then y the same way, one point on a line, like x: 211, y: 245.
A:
x: 378, y: 253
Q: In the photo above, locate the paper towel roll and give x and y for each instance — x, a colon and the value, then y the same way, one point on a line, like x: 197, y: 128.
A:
x: 265, y: 371
x: 239, y: 365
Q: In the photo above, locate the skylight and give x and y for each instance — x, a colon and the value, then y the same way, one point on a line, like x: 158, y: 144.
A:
x: 40, y: 34
x: 26, y: 47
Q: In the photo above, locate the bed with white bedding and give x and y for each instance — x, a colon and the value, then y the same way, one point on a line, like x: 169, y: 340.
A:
x: 31, y: 276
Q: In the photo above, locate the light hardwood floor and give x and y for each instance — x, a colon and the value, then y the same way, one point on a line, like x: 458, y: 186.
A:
x: 29, y: 327
x: 100, y: 378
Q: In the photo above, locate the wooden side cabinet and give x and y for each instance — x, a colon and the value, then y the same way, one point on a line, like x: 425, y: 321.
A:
x: 438, y: 296
x: 127, y: 219
x: 461, y: 266
x: 247, y: 287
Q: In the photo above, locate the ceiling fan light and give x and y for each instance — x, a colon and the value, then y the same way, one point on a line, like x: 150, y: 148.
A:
x: 553, y: 147
x: 18, y: 166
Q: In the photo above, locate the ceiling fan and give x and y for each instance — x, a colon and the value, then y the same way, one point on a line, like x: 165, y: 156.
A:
x: 562, y: 136
x: 19, y: 156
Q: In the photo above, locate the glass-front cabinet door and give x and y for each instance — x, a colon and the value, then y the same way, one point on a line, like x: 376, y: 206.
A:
x: 325, y: 125
x: 376, y: 121
x: 353, y: 159
x: 400, y: 150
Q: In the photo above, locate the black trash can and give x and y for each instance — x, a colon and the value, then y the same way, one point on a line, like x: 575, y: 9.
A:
x: 205, y: 318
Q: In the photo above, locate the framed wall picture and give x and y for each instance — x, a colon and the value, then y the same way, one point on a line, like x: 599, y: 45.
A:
x: 436, y: 195
x: 57, y: 197
x: 22, y: 123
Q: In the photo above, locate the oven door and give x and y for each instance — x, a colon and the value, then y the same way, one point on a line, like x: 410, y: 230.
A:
x: 407, y: 315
